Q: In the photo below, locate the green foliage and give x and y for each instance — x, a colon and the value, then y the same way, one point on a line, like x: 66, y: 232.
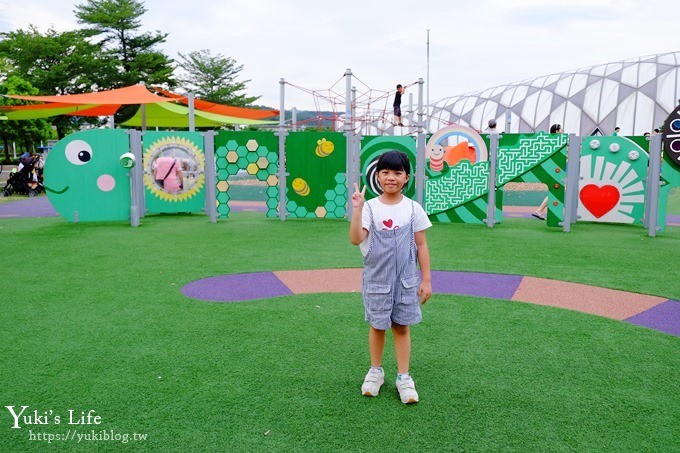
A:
x: 213, y: 78
x: 116, y: 23
x: 57, y: 63
x: 28, y: 133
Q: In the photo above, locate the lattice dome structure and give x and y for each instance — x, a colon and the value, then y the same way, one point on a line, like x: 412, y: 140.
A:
x: 635, y: 94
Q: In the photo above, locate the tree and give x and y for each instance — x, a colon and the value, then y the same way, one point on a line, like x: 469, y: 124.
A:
x: 27, y: 132
x: 56, y: 63
x: 213, y: 78
x: 117, y: 24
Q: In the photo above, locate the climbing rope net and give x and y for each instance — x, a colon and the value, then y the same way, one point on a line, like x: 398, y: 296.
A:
x: 371, y: 109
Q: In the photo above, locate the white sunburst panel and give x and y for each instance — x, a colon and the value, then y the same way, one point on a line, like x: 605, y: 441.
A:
x: 609, y: 169
x: 621, y: 170
x: 629, y: 178
x: 627, y: 208
x: 597, y: 171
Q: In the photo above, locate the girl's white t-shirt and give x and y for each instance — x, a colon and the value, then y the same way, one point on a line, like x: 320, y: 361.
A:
x: 393, y: 216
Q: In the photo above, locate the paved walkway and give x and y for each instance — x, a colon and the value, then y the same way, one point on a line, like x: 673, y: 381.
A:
x: 649, y: 311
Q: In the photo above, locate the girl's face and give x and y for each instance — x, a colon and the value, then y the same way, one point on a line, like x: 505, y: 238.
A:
x: 392, y: 181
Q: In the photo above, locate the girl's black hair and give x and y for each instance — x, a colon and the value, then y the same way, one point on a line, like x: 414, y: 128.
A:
x: 394, y: 160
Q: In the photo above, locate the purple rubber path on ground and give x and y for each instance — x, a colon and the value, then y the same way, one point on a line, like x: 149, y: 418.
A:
x: 239, y: 287
x: 664, y: 317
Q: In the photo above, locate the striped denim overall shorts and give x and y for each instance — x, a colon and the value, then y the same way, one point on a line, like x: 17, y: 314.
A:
x: 390, y: 276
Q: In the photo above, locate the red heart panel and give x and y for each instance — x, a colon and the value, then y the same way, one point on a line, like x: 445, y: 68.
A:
x: 599, y: 200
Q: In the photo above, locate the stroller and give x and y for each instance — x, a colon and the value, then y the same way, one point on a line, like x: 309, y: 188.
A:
x: 27, y: 178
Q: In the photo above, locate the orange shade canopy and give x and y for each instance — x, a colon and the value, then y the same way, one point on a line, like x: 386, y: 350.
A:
x: 134, y: 94
x: 220, y: 109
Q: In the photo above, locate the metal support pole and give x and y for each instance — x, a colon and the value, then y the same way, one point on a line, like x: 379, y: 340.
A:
x: 210, y: 175
x: 420, y: 148
x: 573, y: 177
x: 192, y: 118
x: 294, y: 119
x: 350, y: 159
x: 491, y: 197
x: 142, y: 108
x: 137, y: 207
x: 282, y: 152
x: 653, y: 184
x: 427, y: 100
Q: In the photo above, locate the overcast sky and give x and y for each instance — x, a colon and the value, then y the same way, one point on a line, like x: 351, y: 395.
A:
x: 474, y: 44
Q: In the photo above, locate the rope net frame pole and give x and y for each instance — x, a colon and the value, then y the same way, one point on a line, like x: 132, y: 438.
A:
x: 282, y: 133
x: 351, y: 151
x: 371, y: 109
x: 420, y: 148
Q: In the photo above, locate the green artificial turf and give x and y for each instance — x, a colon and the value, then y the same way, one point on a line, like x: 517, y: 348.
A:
x: 92, y: 317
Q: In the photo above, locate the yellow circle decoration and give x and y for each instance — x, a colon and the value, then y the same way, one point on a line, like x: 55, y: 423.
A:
x: 301, y: 187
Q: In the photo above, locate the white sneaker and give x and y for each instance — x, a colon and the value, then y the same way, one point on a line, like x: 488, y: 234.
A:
x: 407, y: 390
x: 374, y: 379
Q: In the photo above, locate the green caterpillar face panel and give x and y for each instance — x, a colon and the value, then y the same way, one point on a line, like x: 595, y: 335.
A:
x: 84, y: 179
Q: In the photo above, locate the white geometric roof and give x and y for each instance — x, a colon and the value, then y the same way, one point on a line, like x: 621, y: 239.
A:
x: 635, y: 94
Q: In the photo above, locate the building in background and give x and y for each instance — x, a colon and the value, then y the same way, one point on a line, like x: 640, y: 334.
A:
x: 635, y: 94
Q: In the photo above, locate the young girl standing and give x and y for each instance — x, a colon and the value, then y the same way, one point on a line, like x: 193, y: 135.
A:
x: 390, y: 231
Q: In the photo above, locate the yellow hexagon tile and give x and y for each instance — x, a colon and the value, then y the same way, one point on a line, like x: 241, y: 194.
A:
x: 272, y: 180
x: 252, y: 169
x: 223, y: 186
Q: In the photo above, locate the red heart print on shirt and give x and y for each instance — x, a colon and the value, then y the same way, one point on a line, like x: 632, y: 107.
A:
x: 388, y: 223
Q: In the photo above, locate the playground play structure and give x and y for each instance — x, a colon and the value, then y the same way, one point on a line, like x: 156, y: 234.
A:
x: 108, y: 174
